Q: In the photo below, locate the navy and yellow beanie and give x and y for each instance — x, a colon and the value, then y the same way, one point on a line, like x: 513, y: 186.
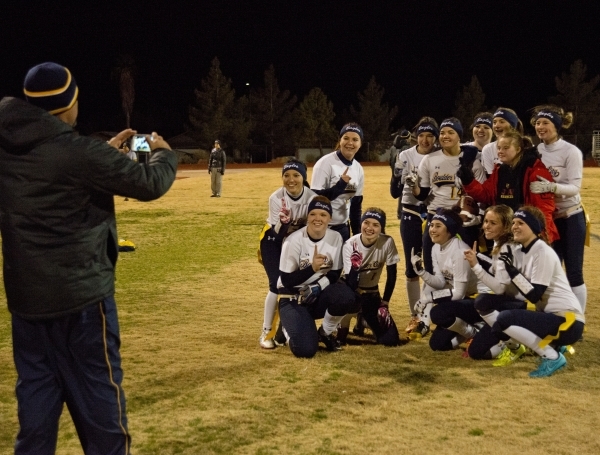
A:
x: 51, y: 87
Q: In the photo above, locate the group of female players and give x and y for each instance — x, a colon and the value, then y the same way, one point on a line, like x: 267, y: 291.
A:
x: 477, y: 220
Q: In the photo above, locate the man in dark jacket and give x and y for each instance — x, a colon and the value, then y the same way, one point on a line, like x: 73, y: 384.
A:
x: 216, y: 167
x: 59, y: 244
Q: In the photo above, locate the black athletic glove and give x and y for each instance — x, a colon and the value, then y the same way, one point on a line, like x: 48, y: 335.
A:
x: 508, y: 259
x: 468, y: 156
x: 465, y: 175
x: 530, y: 291
x: 466, y: 160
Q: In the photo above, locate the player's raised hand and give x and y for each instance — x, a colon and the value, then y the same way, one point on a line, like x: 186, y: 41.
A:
x: 471, y: 255
x: 318, y: 260
x: 345, y: 177
x: 284, y: 212
x: 417, y: 262
x: 356, y: 257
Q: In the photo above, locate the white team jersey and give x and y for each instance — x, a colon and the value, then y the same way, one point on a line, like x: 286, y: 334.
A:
x: 298, y: 250
x: 382, y: 252
x: 540, y: 265
x: 451, y: 263
x: 489, y: 156
x: 298, y: 207
x: 326, y: 173
x: 565, y: 163
x: 408, y: 161
x: 437, y: 171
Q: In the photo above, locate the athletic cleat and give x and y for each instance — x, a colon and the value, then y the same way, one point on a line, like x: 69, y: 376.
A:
x: 280, y: 338
x: 549, y: 367
x: 412, y: 325
x: 422, y: 329
x: 330, y: 342
x: 360, y: 326
x: 342, y: 335
x: 568, y: 348
x: 508, y: 356
x: 264, y: 342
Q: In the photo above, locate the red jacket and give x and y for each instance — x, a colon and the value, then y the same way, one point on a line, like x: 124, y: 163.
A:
x: 487, y: 192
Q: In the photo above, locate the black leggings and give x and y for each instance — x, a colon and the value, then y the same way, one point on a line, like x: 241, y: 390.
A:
x: 298, y: 320
x: 370, y: 303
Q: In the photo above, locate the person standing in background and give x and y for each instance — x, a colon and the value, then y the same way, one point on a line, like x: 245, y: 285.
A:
x: 216, y: 168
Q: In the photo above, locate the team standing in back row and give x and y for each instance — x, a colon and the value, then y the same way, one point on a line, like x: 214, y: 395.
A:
x: 476, y: 221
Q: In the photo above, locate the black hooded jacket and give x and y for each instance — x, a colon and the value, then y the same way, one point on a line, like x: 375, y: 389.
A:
x: 57, y: 217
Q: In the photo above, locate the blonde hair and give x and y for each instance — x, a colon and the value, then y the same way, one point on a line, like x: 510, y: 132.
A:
x: 505, y: 213
x: 566, y: 117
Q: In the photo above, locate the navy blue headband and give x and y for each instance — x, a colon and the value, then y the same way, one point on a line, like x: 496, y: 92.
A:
x: 448, y: 222
x: 508, y: 116
x: 319, y: 205
x: 375, y: 215
x: 296, y: 166
x: 353, y: 128
x: 427, y: 128
x: 530, y: 220
x: 552, y: 116
x: 483, y: 121
x: 455, y: 125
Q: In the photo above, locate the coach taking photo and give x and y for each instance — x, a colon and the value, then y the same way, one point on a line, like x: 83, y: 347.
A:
x: 59, y: 243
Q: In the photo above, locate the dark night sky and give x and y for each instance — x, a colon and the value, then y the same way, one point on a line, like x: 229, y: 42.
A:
x: 422, y: 52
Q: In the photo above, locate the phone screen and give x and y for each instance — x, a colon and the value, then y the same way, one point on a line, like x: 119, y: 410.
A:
x: 140, y: 144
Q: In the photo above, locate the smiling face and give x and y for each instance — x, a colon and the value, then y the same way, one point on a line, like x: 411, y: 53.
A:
x: 316, y: 223
x: 370, y: 230
x: 546, y: 130
x: 501, y: 126
x: 493, y: 228
x: 425, y: 142
x: 449, y: 140
x: 293, y: 182
x: 349, y: 144
x: 482, y: 134
x: 507, y: 151
x: 522, y: 233
x: 439, y: 232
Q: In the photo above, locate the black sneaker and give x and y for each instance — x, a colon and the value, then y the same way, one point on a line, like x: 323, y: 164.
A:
x: 330, y: 341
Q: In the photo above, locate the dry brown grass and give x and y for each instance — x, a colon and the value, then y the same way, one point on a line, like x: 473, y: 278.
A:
x: 190, y: 301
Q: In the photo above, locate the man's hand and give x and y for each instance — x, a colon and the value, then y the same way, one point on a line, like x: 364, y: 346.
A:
x: 120, y: 138
x: 157, y: 142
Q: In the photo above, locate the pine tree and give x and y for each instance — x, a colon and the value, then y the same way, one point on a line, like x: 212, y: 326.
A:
x: 582, y: 97
x: 272, y: 115
x: 469, y: 102
x: 314, y: 120
x: 374, y: 116
x: 124, y: 74
x: 212, y: 110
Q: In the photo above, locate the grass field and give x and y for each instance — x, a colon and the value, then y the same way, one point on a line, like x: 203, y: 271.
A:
x: 191, y: 300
